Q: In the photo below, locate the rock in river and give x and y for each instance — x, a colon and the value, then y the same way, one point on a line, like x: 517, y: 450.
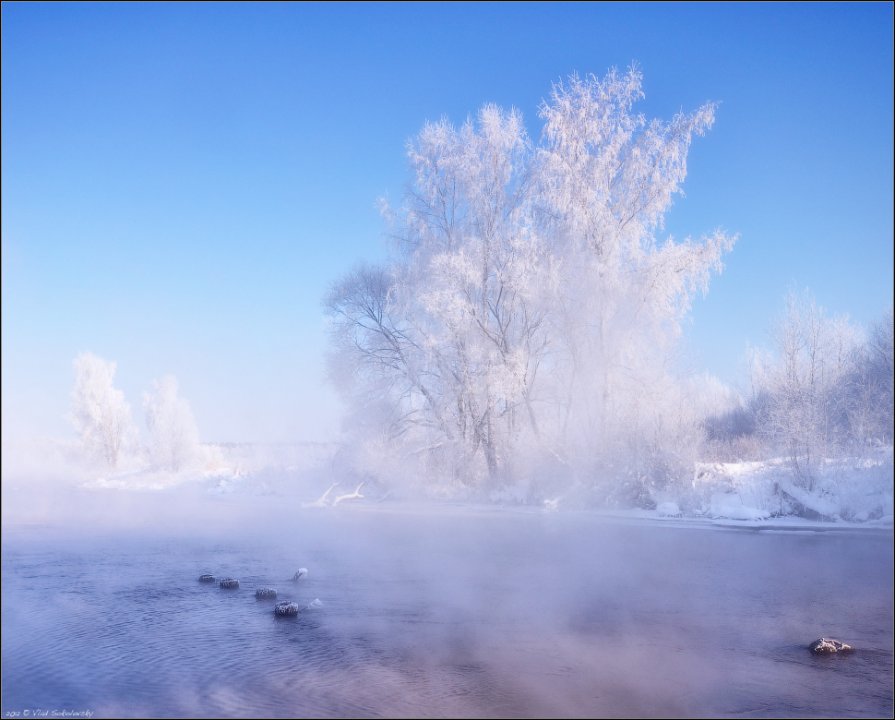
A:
x: 229, y: 584
x: 827, y: 646
x: 286, y: 609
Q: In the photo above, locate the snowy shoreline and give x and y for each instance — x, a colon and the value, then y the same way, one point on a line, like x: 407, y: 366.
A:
x: 118, y: 503
x: 846, y: 494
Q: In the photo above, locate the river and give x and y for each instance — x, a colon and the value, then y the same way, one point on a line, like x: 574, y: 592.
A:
x: 450, y: 612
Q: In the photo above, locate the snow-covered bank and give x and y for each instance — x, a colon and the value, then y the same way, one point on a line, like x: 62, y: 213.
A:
x: 844, y: 489
x: 845, y: 492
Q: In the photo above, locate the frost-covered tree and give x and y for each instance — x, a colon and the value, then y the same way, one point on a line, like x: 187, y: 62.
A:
x: 100, y: 414
x: 880, y: 354
x: 804, y: 382
x: 531, y: 308
x: 452, y: 333
x: 868, y: 392
x: 609, y: 176
x: 173, y: 437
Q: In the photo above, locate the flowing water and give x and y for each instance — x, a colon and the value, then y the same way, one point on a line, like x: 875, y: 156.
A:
x: 455, y: 612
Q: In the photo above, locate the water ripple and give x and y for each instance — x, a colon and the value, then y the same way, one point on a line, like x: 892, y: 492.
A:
x: 652, y: 624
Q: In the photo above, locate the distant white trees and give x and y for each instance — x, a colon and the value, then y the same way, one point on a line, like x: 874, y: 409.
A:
x: 102, y: 418
x: 805, y: 411
x: 100, y: 414
x: 173, y: 437
x: 823, y: 389
x: 870, y: 404
x: 530, y: 310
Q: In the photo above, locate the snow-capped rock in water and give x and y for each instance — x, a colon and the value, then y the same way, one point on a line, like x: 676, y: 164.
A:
x: 206, y: 578
x: 299, y: 574
x: 286, y: 609
x: 827, y: 646
x: 265, y: 593
x: 229, y: 584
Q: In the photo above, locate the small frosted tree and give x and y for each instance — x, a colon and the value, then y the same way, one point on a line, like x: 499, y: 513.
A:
x: 805, y: 412
x: 100, y: 413
x: 173, y: 437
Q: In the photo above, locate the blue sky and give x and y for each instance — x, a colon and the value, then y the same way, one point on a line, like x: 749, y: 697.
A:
x: 181, y: 183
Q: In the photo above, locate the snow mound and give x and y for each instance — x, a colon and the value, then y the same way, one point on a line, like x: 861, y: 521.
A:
x: 668, y: 509
x: 851, y: 489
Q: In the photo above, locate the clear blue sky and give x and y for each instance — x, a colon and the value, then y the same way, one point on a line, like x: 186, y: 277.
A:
x: 181, y: 183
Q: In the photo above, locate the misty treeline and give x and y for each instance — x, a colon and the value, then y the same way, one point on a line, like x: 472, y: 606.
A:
x: 523, y: 332
x: 103, y: 420
x: 823, y: 389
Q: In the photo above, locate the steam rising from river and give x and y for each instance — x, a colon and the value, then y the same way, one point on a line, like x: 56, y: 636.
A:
x: 451, y: 611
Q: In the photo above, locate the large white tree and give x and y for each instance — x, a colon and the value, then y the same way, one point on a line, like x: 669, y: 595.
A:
x: 100, y: 414
x: 531, y: 308
x: 173, y: 437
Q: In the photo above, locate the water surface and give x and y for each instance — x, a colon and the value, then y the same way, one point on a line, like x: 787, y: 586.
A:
x: 445, y: 613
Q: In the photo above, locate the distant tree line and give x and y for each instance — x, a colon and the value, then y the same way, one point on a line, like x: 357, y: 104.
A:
x: 824, y: 389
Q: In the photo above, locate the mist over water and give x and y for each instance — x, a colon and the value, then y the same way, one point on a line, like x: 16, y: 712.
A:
x: 454, y: 611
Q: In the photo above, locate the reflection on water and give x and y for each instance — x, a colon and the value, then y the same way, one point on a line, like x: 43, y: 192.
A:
x: 447, y: 614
